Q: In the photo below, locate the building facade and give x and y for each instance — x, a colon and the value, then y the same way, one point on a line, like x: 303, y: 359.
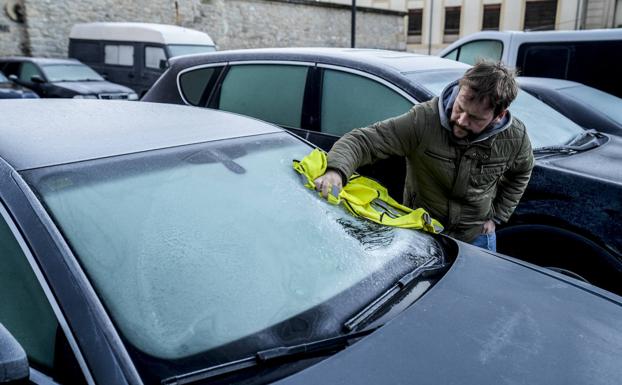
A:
x: 433, y: 24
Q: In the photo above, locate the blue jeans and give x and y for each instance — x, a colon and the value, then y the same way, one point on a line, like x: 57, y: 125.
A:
x: 486, y: 241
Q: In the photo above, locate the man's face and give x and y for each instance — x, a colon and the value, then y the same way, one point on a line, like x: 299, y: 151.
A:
x: 470, y: 116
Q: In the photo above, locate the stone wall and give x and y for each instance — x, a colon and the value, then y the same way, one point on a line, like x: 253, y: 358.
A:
x: 231, y: 23
x: 13, y: 39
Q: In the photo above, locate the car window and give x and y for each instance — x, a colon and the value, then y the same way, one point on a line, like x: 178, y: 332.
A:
x: 545, y: 126
x: 3, y: 79
x: 452, y: 55
x: 122, y: 55
x: 70, y: 73
x: 27, y: 71
x: 195, y: 247
x: 473, y: 51
x: 273, y: 93
x: 607, y: 104
x: 85, y: 51
x: 24, y: 309
x: 350, y: 101
x: 196, y: 85
x: 153, y: 56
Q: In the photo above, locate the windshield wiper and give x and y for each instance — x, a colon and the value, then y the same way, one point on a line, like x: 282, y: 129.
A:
x: 281, y: 353
x: 572, y: 147
x: 427, y: 270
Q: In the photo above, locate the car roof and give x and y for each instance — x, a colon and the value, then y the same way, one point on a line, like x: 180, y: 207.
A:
x: 398, y: 61
x: 39, y: 133
x: 556, y: 35
x: 549, y: 83
x: 147, y: 32
x: 39, y: 60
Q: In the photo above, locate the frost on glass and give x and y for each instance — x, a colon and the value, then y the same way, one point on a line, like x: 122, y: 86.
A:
x: 207, y: 249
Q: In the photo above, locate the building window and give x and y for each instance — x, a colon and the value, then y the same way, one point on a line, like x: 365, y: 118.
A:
x: 540, y: 15
x: 452, y: 24
x: 415, y: 21
x: 490, y: 21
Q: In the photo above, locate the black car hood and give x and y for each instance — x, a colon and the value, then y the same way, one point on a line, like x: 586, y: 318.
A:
x: 14, y: 91
x: 93, y: 87
x: 490, y: 320
x: 601, y: 162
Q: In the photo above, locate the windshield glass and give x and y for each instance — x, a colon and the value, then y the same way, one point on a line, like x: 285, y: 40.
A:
x: 603, y: 102
x: 3, y: 79
x: 545, y: 126
x: 69, y: 73
x: 195, y: 247
x: 184, y: 49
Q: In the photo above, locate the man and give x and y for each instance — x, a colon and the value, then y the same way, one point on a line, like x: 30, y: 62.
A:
x: 468, y: 160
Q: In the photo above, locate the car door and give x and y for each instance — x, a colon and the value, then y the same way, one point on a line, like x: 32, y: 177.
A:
x: 120, y: 64
x: 150, y: 71
x: 351, y: 99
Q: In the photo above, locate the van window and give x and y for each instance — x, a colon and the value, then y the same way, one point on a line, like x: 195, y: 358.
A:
x: 350, y: 101
x: 587, y: 62
x: 471, y: 52
x: 270, y: 92
x: 86, y: 51
x: 153, y: 55
x: 122, y: 55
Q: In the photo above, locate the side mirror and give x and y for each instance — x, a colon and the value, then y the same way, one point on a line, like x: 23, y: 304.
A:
x: 163, y: 64
x: 37, y: 79
x: 13, y: 361
x: 13, y: 77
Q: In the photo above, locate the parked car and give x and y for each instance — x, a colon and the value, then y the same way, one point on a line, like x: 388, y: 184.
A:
x: 569, y: 217
x: 583, y: 56
x: 11, y: 90
x: 134, y: 54
x: 160, y: 244
x: 62, y: 78
x: 586, y: 106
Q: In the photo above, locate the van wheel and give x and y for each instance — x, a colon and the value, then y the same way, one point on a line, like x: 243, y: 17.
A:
x: 562, y: 250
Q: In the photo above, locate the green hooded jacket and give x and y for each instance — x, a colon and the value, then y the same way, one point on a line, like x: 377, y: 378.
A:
x: 461, y: 183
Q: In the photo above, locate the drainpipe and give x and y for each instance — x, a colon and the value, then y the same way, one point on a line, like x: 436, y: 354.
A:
x: 353, y: 24
x: 430, y: 29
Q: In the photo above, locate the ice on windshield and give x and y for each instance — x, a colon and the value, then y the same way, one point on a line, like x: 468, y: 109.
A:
x: 69, y: 73
x: 202, y: 249
x: 545, y: 126
x: 603, y: 102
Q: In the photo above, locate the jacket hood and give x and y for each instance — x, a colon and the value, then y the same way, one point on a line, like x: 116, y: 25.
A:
x: 445, y: 104
x: 93, y: 87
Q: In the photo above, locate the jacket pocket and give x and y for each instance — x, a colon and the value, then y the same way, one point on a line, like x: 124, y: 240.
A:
x: 485, y: 175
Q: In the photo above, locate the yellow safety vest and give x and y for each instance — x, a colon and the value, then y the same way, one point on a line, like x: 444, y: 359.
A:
x: 364, y: 197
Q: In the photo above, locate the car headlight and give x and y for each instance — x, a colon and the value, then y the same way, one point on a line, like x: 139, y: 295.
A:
x: 132, y: 96
x: 85, y: 96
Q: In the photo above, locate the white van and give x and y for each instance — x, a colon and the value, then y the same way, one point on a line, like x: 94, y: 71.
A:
x: 589, y: 56
x: 134, y: 54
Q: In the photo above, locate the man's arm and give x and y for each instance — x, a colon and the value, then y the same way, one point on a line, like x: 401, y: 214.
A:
x: 361, y: 146
x: 513, y: 183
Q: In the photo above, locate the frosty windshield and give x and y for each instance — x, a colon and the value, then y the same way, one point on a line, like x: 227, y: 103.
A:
x: 193, y: 247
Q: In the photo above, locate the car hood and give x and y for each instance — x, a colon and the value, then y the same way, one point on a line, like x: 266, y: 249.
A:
x: 490, y: 320
x: 602, y: 162
x: 93, y: 87
x: 14, y: 91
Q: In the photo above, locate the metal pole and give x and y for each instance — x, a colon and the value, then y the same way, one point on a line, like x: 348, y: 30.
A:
x: 430, y: 29
x: 353, y: 31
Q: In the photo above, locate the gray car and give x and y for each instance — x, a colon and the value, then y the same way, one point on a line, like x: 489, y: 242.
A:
x: 570, y: 213
x: 150, y: 244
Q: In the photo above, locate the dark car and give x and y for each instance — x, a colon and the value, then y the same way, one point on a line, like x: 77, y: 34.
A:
x: 11, y: 90
x: 62, y: 78
x: 586, y: 106
x: 569, y: 217
x: 146, y: 243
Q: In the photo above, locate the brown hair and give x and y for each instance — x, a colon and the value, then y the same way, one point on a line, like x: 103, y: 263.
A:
x: 492, y: 81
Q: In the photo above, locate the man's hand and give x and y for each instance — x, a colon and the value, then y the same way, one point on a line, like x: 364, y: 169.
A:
x: 488, y: 227
x: 326, y: 182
